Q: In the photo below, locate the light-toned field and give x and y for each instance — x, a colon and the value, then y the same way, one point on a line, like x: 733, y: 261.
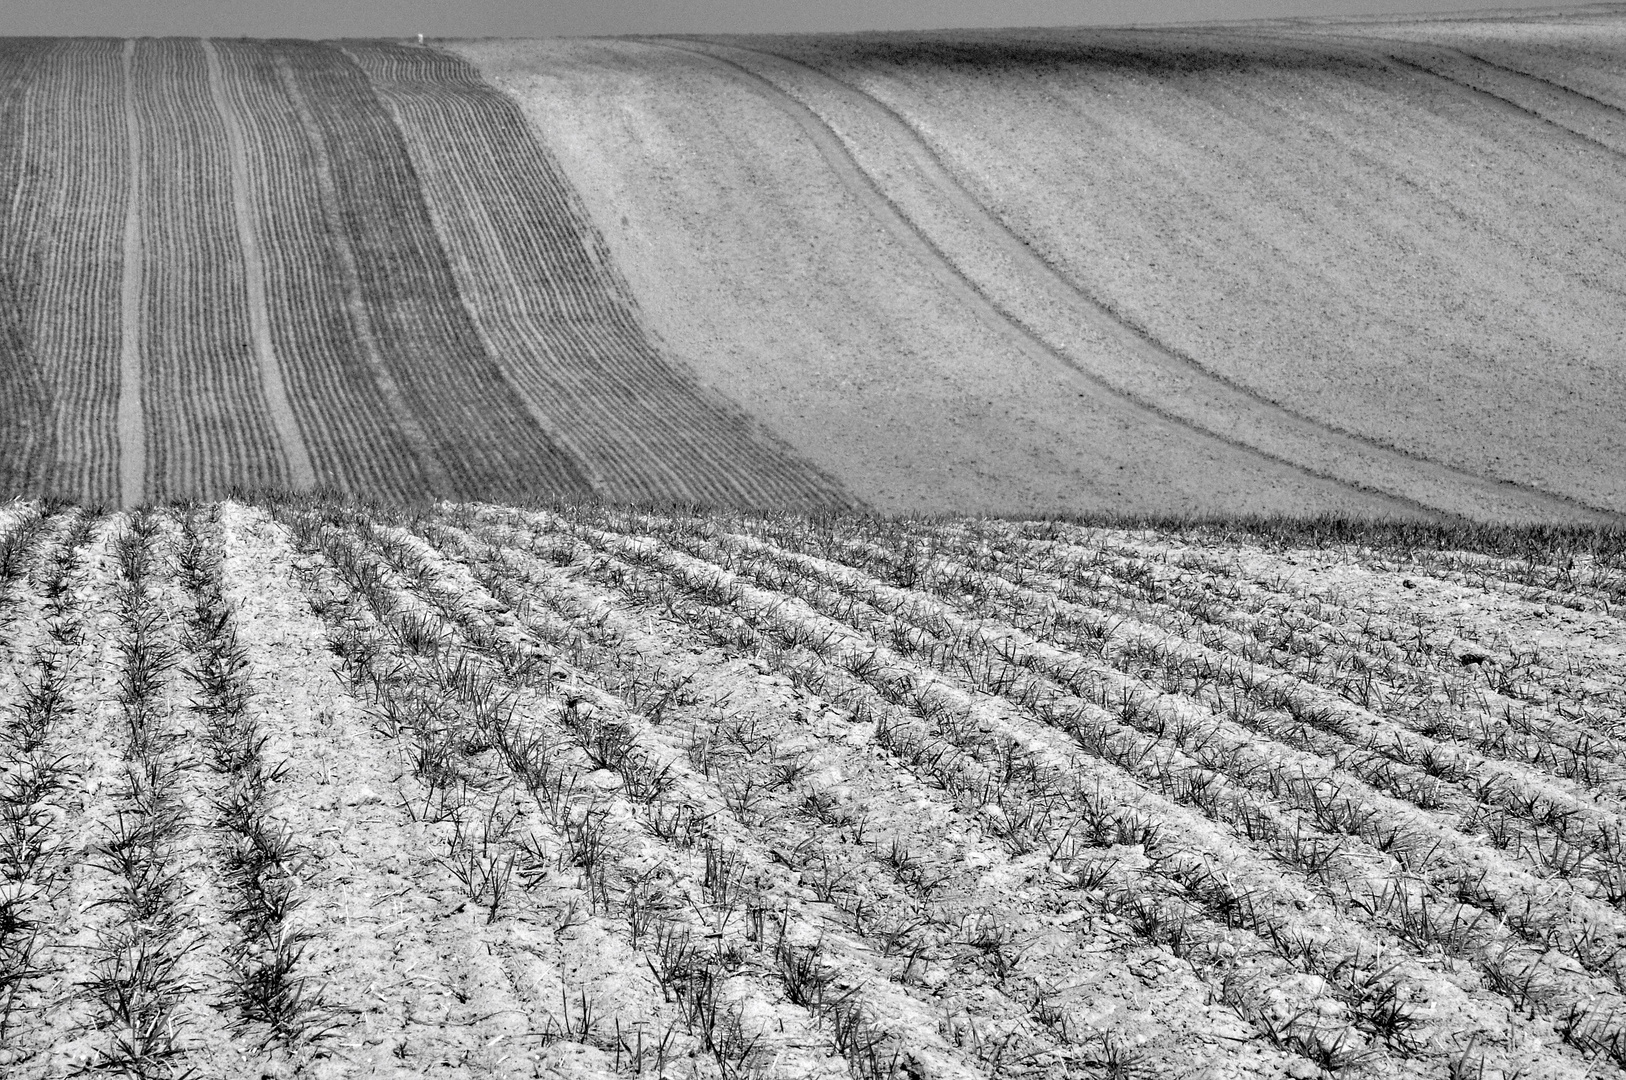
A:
x: 1255, y: 265
x: 312, y: 789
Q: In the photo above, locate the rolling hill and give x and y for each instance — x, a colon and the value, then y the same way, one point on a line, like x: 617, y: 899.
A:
x: 456, y: 749
x: 1369, y: 268
x: 1143, y: 269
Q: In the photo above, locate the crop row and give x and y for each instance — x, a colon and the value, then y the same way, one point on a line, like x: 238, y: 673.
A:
x: 648, y: 848
x: 206, y: 418
x: 629, y: 793
x: 227, y: 264
x: 35, y: 767
x: 475, y: 425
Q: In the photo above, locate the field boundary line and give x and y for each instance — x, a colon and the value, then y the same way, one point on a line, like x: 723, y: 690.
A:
x: 296, y: 456
x: 1251, y: 421
x: 132, y: 426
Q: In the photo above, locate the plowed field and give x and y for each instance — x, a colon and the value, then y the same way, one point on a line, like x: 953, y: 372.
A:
x: 310, y: 789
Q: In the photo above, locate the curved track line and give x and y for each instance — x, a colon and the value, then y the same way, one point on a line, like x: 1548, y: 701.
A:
x: 1389, y: 49
x: 1585, y: 99
x: 132, y: 421
x: 296, y: 456
x: 1266, y: 428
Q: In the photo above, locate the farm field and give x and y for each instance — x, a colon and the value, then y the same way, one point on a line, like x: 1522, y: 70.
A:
x: 1369, y: 268
x: 292, y: 265
x: 313, y: 788
x: 1365, y: 263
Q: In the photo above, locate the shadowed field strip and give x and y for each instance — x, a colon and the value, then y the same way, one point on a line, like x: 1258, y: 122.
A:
x: 404, y: 420
x: 1497, y: 82
x: 537, y: 282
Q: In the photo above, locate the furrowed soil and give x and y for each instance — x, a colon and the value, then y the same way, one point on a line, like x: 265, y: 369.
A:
x: 307, y: 788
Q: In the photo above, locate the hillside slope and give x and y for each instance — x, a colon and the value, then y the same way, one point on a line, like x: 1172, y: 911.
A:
x: 1327, y: 247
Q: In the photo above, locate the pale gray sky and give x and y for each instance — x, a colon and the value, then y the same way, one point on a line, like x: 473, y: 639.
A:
x: 542, y: 18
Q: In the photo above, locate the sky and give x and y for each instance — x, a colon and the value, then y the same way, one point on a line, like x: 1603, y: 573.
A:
x: 546, y: 18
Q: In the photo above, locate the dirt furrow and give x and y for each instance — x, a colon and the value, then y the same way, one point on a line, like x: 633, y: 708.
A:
x: 828, y: 807
x: 1023, y: 733
x: 411, y: 978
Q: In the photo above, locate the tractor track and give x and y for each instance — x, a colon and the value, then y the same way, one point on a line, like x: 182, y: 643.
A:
x: 1390, y: 50
x: 1174, y: 387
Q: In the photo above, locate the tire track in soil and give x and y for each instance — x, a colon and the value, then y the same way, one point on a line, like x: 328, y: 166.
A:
x: 1162, y: 381
x: 132, y: 428
x: 296, y: 456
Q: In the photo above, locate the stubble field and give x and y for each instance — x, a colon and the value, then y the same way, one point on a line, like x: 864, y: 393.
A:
x: 307, y: 788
